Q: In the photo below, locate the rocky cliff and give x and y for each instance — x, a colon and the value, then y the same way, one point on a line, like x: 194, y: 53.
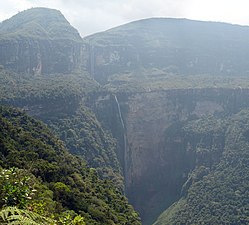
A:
x: 176, y: 46
x: 159, y: 154
x: 146, y: 64
x: 215, y: 191
x: 40, y: 41
x: 158, y: 159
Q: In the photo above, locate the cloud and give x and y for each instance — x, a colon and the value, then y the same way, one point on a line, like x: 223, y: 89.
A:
x: 11, y: 7
x: 223, y: 10
x: 90, y: 16
x: 157, y: 8
x: 100, y: 15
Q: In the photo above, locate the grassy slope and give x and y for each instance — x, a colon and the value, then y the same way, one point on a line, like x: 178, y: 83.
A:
x: 157, y: 80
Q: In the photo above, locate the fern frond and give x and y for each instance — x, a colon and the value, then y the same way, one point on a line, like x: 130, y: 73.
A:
x: 14, y: 216
x: 21, y: 220
x: 5, y: 212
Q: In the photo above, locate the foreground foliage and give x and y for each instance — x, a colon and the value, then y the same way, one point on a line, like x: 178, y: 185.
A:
x: 14, y: 215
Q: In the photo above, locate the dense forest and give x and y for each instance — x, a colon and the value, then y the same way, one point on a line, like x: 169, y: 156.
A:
x: 40, y: 176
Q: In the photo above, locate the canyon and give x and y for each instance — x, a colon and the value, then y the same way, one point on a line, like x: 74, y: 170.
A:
x: 150, y: 79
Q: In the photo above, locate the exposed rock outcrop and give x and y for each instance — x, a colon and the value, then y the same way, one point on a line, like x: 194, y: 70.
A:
x: 159, y: 154
x: 41, y: 56
x: 40, y: 40
x: 177, y: 46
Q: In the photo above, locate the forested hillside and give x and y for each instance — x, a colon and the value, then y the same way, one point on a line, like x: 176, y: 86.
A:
x: 38, y: 23
x: 58, y: 100
x: 216, y: 191
x: 64, y: 185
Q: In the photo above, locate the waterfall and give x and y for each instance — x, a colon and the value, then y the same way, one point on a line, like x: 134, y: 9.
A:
x: 92, y: 61
x: 124, y: 137
x: 119, y: 112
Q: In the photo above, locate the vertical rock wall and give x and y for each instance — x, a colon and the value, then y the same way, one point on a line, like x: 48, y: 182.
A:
x: 158, y: 159
x: 42, y: 56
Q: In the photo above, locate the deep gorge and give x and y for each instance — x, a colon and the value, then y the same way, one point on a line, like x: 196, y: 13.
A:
x: 146, y: 109
x: 159, y: 155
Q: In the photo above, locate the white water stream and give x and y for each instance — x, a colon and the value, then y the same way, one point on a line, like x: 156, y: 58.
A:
x: 124, y: 136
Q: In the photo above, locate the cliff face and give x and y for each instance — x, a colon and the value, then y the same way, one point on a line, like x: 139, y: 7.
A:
x: 176, y: 46
x: 159, y: 155
x: 41, y: 56
x: 214, y: 192
x: 40, y: 41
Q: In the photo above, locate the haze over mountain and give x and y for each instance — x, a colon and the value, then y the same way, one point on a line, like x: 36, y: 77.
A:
x: 157, y: 108
x: 113, y: 13
x: 174, y: 46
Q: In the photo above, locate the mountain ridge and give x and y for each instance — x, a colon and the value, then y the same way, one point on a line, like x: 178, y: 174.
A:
x: 167, y: 19
x: 47, y: 22
x: 40, y: 41
x: 173, y: 46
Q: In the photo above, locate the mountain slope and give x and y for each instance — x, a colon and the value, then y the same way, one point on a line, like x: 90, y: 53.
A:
x: 39, y: 23
x: 174, y: 46
x: 58, y: 100
x: 40, y: 41
x: 216, y: 194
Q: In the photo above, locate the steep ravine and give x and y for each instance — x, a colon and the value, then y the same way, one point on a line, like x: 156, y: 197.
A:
x: 158, y: 156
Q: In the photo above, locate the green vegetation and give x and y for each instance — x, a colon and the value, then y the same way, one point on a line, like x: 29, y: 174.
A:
x: 25, y: 200
x: 45, y: 24
x: 159, y: 80
x: 27, y: 88
x: 57, y: 100
x: 63, y: 182
x: 217, y: 189
x: 176, y: 46
x: 16, y: 188
x: 84, y: 136
x: 13, y: 215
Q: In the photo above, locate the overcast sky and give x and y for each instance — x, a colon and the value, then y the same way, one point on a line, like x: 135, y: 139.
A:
x: 90, y: 16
